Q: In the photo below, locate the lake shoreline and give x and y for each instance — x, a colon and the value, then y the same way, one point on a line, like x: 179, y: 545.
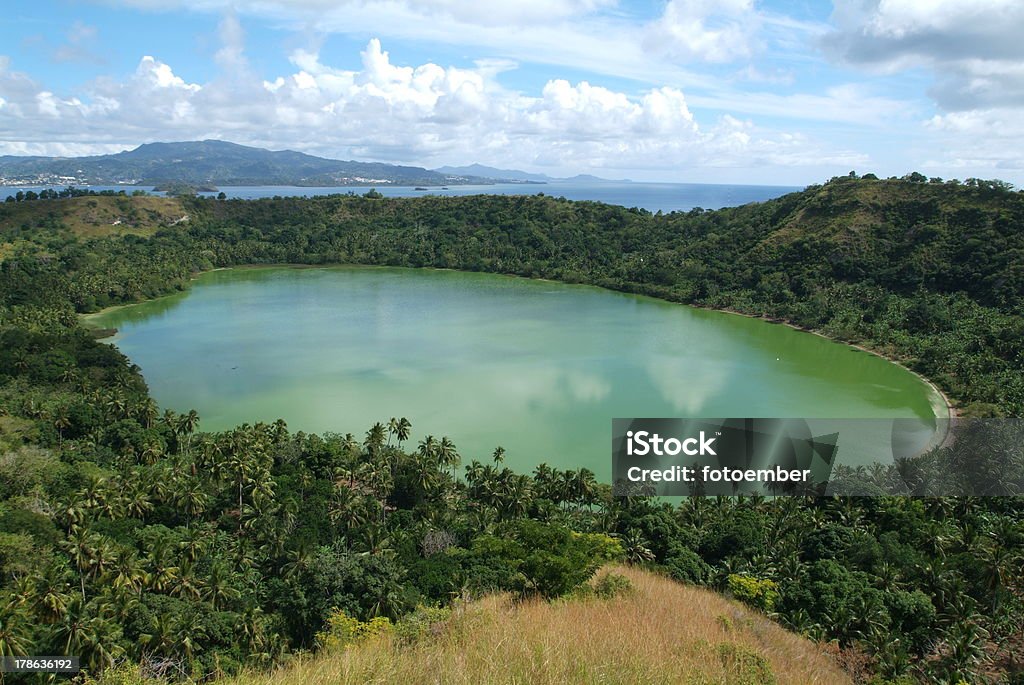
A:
x: 944, y: 405
x: 952, y: 411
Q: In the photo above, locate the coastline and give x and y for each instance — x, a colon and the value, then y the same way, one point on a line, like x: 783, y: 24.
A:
x: 945, y: 403
x: 940, y: 401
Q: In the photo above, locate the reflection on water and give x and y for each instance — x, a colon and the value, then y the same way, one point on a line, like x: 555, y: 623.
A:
x: 537, y: 367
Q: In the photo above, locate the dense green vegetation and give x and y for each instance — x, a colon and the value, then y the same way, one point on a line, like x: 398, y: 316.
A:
x: 125, y: 531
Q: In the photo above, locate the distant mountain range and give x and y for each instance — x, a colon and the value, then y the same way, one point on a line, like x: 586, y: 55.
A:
x: 216, y: 162
x: 515, y: 175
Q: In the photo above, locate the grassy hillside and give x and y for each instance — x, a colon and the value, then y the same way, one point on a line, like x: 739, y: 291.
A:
x: 93, y: 217
x: 661, y: 632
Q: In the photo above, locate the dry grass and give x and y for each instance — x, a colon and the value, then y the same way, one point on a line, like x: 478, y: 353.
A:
x: 96, y: 216
x: 663, y: 632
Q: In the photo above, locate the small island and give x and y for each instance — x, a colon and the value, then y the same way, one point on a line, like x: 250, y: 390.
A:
x: 182, y: 189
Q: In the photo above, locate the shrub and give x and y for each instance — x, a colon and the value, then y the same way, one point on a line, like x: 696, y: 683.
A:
x: 686, y: 566
x: 124, y: 673
x: 612, y: 585
x: 544, y: 559
x: 421, y: 622
x: 758, y: 593
x: 744, y: 666
x: 343, y: 630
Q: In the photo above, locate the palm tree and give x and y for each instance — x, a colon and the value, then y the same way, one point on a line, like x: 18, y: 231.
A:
x: 189, y: 422
x: 61, y: 421
x: 117, y: 406
x: 586, y: 487
x: 23, y: 590
x: 447, y: 455
x: 89, y: 635
x: 163, y: 572
x: 392, y: 429
x: 427, y: 449
x: 250, y: 625
x: 346, y: 508
x: 80, y: 546
x: 375, y: 439
x: 964, y: 651
x: 518, y: 495
x: 162, y: 635
x: 170, y: 421
x: 53, y: 592
x: 15, y: 632
x: 998, y: 566
x: 636, y: 547
x: 543, y: 478
x: 299, y: 560
x: 192, y: 499
x: 127, y: 571
x: 152, y: 451
x: 148, y: 412
x: 135, y: 498
x: 194, y: 543
x: 279, y: 431
x: 218, y: 591
x: 93, y: 494
x: 188, y: 585
x: 191, y: 634
x: 403, y: 430
x: 119, y: 603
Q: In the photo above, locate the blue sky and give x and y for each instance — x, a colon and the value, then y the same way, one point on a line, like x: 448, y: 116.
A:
x: 739, y: 91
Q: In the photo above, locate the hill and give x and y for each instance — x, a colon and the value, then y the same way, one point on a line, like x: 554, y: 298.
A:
x: 214, y: 162
x: 221, y: 552
x: 514, y: 175
x: 504, y: 174
x: 99, y: 215
x: 661, y: 632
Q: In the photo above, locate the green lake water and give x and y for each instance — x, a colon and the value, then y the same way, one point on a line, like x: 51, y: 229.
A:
x: 539, y: 368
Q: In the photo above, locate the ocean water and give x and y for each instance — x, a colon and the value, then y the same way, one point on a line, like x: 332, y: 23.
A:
x: 664, y: 197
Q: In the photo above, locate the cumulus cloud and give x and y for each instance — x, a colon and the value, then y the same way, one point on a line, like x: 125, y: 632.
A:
x: 973, y: 46
x: 974, y: 50
x: 423, y: 114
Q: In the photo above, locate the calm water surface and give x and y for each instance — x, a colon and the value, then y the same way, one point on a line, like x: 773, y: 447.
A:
x: 667, y: 197
x: 540, y: 368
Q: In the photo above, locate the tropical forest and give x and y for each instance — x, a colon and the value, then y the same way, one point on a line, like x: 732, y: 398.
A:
x: 157, y: 551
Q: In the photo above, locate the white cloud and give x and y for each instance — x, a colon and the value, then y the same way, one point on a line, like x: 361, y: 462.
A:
x: 975, y: 140
x: 425, y: 114
x: 973, y: 46
x: 231, y: 56
x: 159, y: 75
x: 705, y: 30
x: 973, y: 49
x: 589, y: 35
